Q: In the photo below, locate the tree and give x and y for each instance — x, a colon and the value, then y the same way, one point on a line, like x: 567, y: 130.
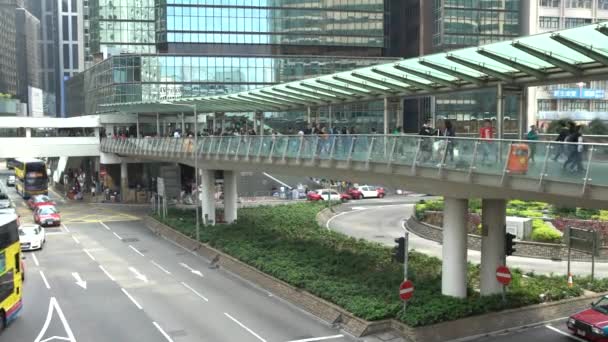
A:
x: 597, y: 127
x: 556, y: 125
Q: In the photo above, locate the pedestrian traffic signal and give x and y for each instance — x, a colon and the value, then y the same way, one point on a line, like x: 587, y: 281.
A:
x: 399, y: 250
x: 509, y: 244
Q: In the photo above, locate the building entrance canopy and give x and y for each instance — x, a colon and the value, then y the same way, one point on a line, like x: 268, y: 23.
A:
x: 563, y: 56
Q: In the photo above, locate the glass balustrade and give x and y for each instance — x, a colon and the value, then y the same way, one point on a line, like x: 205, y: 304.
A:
x: 539, y: 160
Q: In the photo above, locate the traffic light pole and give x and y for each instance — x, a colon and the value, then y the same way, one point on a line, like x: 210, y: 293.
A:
x: 504, y: 287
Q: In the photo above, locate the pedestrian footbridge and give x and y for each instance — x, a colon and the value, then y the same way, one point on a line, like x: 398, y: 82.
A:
x: 28, y: 137
x: 454, y: 167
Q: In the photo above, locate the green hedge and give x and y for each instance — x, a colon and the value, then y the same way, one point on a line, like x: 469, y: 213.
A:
x: 542, y: 232
x: 286, y: 242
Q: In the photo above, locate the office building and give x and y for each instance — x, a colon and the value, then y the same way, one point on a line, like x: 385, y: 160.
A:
x: 197, y: 48
x: 581, y: 101
x: 440, y: 26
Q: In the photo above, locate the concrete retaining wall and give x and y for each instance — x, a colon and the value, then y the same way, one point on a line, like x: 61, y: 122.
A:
x: 527, y: 249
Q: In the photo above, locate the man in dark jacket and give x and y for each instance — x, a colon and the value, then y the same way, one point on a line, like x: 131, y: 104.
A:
x: 564, y: 132
x: 426, y: 144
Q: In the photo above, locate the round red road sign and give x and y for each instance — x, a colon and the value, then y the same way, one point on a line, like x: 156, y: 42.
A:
x: 406, y: 290
x: 503, y: 275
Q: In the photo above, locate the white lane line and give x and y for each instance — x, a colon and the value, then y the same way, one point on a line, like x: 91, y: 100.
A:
x: 35, y: 259
x: 105, y: 226
x: 118, y: 236
x: 132, y: 299
x: 244, y: 327
x: 564, y: 333
x: 318, y: 338
x: 46, y: 283
x: 195, y: 292
x: 75, y: 239
x: 335, y: 216
x: 136, y: 251
x: 159, y: 266
x: 162, y: 332
x: 65, y: 227
x: 107, y: 273
x: 89, y: 254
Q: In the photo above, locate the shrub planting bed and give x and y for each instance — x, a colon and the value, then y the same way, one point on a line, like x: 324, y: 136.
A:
x: 287, y: 243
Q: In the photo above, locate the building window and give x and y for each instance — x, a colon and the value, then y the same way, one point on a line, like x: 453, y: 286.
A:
x: 600, y: 106
x: 578, y: 3
x: 64, y: 5
x: 65, y: 28
x: 602, y: 5
x: 74, y: 8
x: 548, y: 22
x: 66, y: 56
x: 550, y: 3
x: 547, y: 104
x: 75, y: 56
x: 574, y: 22
x: 75, y: 28
x: 574, y: 105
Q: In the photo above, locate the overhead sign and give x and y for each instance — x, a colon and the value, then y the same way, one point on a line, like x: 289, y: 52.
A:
x: 406, y: 290
x: 160, y: 186
x: 584, y: 240
x: 579, y: 93
x: 503, y: 275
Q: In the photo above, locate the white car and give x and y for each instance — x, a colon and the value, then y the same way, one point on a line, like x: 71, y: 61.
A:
x: 31, y: 236
x: 10, y: 181
x: 323, y: 194
x: 370, y: 191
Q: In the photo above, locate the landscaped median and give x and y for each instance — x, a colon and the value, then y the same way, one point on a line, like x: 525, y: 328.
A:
x: 285, y: 242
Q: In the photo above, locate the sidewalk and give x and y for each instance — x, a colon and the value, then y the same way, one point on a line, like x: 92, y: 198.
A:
x: 383, y: 224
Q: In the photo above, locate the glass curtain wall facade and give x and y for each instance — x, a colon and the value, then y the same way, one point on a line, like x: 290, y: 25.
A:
x: 462, y: 23
x: 273, y: 22
x: 121, y: 26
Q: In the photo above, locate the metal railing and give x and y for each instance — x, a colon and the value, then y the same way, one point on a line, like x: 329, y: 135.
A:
x: 585, y: 164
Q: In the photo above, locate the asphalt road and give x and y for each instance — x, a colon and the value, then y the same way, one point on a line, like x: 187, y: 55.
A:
x: 550, y: 332
x: 140, y: 287
x: 383, y: 222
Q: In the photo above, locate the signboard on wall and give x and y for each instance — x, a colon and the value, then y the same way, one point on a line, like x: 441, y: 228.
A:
x: 35, y: 102
x: 579, y: 93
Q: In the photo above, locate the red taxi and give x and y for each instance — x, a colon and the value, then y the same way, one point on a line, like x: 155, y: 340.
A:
x: 591, y: 324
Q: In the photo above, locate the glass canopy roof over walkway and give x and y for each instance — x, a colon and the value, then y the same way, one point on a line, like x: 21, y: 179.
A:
x: 564, y: 56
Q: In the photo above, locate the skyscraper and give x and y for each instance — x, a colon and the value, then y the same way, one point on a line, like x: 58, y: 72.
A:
x: 582, y: 101
x: 149, y: 50
x: 451, y: 24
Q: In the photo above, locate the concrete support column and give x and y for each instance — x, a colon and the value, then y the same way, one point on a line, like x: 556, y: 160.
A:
x: 208, y: 196
x: 124, y: 181
x: 262, y: 124
x: 385, y: 131
x: 454, y: 268
x: 137, y: 125
x: 183, y: 125
x: 329, y: 117
x: 493, y: 221
x: 309, y: 115
x: 28, y: 132
x: 523, y: 113
x: 158, y: 134
x: 399, y: 113
x: 230, y: 196
x: 499, y: 112
x: 214, y: 122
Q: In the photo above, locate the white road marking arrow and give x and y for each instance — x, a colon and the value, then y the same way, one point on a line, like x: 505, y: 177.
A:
x: 138, y: 275
x: 54, y: 306
x: 79, y: 280
x: 198, y: 273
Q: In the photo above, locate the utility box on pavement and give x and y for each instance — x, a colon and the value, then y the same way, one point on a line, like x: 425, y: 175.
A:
x: 521, y: 227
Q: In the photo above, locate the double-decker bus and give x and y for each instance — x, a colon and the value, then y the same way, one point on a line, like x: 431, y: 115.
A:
x: 11, y: 276
x: 31, y: 177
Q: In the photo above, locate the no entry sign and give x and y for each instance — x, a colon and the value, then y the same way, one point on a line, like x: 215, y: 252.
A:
x: 503, y: 275
x: 406, y: 290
